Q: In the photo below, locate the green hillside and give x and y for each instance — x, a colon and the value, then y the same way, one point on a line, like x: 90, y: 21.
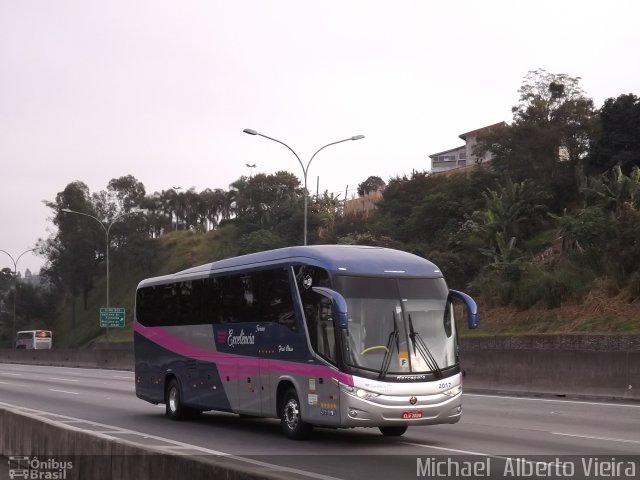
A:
x: 172, y: 252
x: 600, y: 312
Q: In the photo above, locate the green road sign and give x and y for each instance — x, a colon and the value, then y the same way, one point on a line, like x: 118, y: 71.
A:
x: 112, y: 317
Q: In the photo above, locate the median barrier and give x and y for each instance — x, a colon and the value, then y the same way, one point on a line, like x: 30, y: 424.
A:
x: 98, y: 456
x: 117, y: 359
x: 571, y: 365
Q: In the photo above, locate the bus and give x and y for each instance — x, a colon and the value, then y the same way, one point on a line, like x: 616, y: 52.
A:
x: 330, y: 336
x: 34, y: 339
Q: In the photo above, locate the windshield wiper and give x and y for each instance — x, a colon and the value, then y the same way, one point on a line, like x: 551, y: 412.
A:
x: 393, y: 338
x: 420, y: 347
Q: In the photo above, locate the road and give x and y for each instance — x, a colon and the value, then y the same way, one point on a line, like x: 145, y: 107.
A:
x: 496, y: 426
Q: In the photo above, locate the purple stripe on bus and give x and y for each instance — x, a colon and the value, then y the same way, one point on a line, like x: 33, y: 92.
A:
x: 228, y: 363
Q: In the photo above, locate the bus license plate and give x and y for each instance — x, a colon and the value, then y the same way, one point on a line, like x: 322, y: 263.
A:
x: 412, y: 414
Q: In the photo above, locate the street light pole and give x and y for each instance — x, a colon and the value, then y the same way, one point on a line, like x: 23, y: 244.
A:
x: 15, y: 288
x: 106, y: 231
x: 305, y: 169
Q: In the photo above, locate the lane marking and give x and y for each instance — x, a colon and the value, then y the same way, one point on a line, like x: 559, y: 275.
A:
x: 519, y: 459
x: 12, y: 374
x: 123, y: 378
x: 554, y: 400
x: 465, y: 452
x: 64, y: 379
x: 608, y: 439
x: 175, y: 443
x: 62, y: 391
x: 13, y: 384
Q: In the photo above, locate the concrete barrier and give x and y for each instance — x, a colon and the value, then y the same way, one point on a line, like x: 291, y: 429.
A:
x: 117, y: 359
x: 98, y: 456
x: 576, y: 365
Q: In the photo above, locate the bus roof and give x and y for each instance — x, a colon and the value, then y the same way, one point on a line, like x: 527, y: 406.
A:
x: 337, y: 259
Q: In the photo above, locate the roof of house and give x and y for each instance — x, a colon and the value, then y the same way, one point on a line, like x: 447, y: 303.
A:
x: 477, y: 131
x: 447, y: 151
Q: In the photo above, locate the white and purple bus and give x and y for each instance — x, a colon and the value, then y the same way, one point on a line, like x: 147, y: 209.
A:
x: 330, y: 335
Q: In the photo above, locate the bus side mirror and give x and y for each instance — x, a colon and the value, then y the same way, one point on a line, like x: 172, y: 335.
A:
x: 473, y: 317
x: 339, y: 305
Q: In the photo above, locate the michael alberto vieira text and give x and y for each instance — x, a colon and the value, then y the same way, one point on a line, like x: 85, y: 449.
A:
x: 585, y: 467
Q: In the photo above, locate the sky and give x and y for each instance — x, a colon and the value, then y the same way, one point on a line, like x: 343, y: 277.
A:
x: 94, y: 90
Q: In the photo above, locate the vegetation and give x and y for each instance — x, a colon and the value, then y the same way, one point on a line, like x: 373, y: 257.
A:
x: 547, y: 237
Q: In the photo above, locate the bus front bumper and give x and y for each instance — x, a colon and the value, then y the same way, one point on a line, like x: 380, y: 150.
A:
x: 399, y: 410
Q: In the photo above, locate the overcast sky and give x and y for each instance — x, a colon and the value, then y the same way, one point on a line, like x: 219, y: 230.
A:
x: 94, y: 90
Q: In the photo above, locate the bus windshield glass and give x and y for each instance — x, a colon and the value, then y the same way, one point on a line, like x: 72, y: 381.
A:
x: 399, y: 325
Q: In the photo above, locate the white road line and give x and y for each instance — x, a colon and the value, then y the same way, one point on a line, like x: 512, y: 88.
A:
x: 553, y: 400
x: 608, y: 439
x: 64, y: 379
x: 62, y: 391
x: 124, y: 378
x: 465, y: 452
x: 13, y: 384
x: 12, y: 374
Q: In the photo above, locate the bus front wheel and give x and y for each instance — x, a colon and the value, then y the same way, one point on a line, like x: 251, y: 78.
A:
x: 392, y: 431
x: 292, y: 424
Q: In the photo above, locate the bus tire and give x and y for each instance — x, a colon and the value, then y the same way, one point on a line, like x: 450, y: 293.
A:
x: 290, y: 416
x: 175, y: 410
x: 393, y: 431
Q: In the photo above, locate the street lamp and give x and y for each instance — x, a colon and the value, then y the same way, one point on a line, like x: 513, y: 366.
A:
x: 106, y: 231
x: 15, y: 288
x: 305, y: 170
x: 251, y: 167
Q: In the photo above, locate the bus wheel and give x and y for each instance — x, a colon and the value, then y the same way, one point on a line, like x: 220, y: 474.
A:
x: 292, y: 424
x: 392, y: 431
x: 175, y: 409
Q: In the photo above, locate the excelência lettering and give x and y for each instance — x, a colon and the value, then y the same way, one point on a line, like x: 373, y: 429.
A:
x: 240, y: 339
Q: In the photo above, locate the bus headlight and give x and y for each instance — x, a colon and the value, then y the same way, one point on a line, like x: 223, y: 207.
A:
x: 452, y: 392
x: 358, y: 392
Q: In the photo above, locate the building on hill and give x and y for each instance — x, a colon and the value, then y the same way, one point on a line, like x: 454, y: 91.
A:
x: 463, y: 156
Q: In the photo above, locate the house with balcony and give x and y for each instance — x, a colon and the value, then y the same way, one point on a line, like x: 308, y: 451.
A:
x: 463, y: 155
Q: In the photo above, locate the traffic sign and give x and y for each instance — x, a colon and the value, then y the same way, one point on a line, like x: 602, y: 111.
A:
x: 112, y: 317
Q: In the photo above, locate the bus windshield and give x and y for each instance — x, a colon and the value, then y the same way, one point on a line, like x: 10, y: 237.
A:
x: 399, y: 325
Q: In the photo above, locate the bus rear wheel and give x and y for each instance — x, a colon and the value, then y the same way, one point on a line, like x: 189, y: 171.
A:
x: 392, y: 431
x: 175, y: 409
x: 292, y: 424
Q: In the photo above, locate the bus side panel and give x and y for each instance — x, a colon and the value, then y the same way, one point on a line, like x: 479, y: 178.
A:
x: 319, y: 396
x: 201, y: 384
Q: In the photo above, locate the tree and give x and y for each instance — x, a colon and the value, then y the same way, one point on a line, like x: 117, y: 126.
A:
x: 74, y: 251
x: 549, y: 138
x: 617, y: 141
x: 371, y: 184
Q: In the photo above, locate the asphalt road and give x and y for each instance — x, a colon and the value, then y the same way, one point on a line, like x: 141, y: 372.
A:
x: 492, y: 426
